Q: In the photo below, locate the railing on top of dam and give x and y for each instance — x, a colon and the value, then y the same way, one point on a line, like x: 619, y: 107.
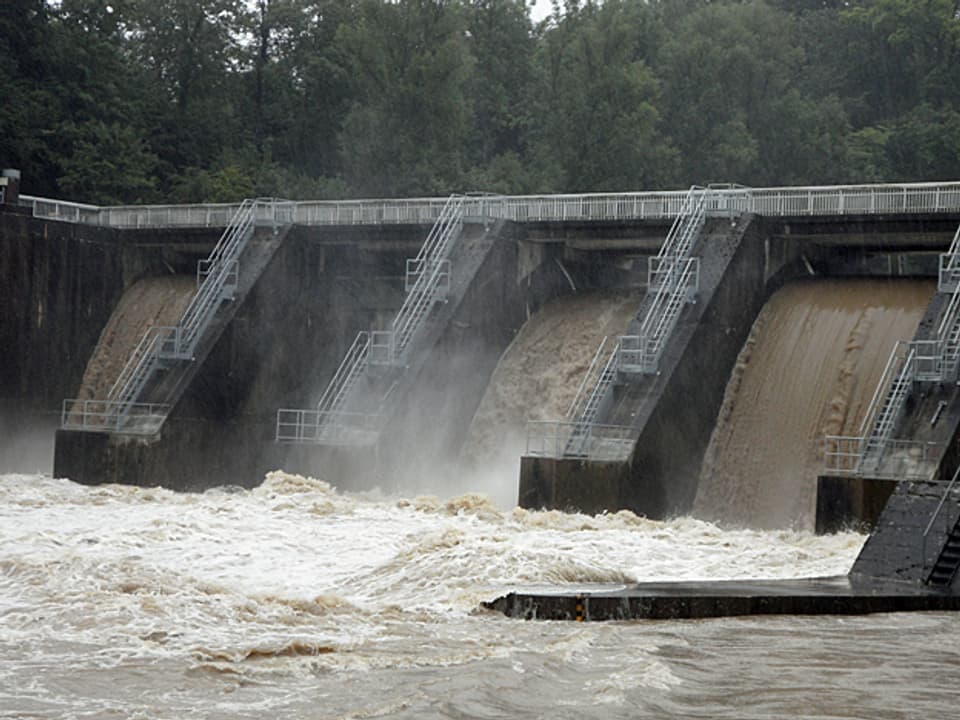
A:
x: 830, y: 200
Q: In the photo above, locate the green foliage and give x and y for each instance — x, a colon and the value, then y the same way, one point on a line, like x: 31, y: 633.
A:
x: 107, y: 165
x: 170, y: 100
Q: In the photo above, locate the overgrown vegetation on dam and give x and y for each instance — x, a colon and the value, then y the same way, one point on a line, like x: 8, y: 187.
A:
x: 215, y: 100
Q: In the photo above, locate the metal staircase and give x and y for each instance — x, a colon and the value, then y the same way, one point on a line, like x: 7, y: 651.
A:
x: 931, y: 360
x: 949, y: 276
x: 426, y: 282
x: 947, y: 562
x: 160, y: 347
x: 673, y: 280
x: 886, y: 405
x: 945, y: 568
x: 641, y: 353
x: 585, y: 408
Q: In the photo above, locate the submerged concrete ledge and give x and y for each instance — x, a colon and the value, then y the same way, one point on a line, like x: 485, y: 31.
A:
x: 842, y: 595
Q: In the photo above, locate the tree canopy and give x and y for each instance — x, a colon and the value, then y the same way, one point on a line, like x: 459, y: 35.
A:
x: 213, y: 100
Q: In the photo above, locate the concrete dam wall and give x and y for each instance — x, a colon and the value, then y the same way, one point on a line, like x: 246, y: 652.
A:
x: 289, y: 332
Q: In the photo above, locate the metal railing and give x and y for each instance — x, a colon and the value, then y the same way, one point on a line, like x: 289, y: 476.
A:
x: 641, y: 353
x: 590, y: 379
x: 316, y: 427
x: 686, y: 226
x: 610, y: 443
x: 949, y: 275
x: 430, y: 276
x: 427, y: 281
x: 865, y: 453
x: 217, y: 278
x: 673, y: 280
x: 656, y: 205
x: 352, y: 367
x: 887, y: 404
x: 585, y: 413
x: 946, y: 527
x: 112, y: 416
x: 903, y: 460
x: 579, y: 435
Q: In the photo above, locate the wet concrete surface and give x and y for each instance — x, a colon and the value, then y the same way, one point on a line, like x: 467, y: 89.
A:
x: 841, y: 595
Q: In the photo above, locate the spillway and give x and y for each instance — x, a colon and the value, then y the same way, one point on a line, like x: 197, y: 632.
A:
x: 809, y: 368
x: 152, y: 301
x: 536, y: 379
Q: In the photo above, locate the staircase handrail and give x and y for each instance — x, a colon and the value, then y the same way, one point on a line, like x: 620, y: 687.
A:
x: 354, y: 361
x: 949, y: 346
x: 433, y: 270
x: 232, y: 234
x: 936, y: 513
x: 591, y: 372
x: 134, y: 359
x: 883, y: 386
x: 889, y: 410
x: 954, y: 251
x: 220, y: 266
x: 949, y: 315
x: 142, y: 367
x: 450, y: 213
x: 588, y: 415
x: 665, y: 310
x: 691, y: 211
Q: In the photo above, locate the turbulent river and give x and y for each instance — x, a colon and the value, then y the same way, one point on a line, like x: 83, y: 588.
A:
x: 294, y: 600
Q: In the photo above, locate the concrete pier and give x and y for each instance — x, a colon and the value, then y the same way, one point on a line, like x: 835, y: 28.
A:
x: 690, y: 600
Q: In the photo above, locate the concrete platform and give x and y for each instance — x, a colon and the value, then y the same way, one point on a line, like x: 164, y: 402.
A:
x: 842, y: 595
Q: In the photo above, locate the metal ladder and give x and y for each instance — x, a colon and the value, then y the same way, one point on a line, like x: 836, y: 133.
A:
x: 949, y: 276
x: 351, y: 369
x: 585, y: 417
x: 217, y: 278
x: 427, y: 280
x: 673, y: 279
x: 945, y: 567
x: 642, y: 352
x: 887, y: 402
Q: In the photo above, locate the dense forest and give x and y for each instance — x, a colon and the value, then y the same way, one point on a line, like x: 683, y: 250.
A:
x: 120, y: 101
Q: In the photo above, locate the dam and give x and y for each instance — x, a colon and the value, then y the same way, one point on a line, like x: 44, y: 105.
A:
x: 605, y: 343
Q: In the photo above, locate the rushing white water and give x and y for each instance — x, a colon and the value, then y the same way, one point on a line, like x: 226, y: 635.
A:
x: 293, y: 600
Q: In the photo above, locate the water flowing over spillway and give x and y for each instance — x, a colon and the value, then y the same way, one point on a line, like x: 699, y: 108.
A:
x: 808, y: 369
x: 536, y: 379
x: 153, y: 301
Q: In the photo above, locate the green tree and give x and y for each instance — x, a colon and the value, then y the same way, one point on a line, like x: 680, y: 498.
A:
x: 27, y: 107
x: 407, y: 127
x: 503, y: 46
x: 190, y: 49
x: 735, y: 101
x: 599, y: 110
x: 299, y: 83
